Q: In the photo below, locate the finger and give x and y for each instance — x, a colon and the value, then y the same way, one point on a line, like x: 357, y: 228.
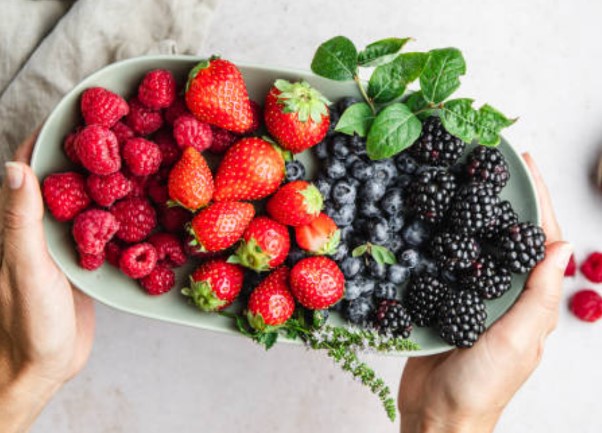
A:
x: 23, y: 152
x: 549, y: 223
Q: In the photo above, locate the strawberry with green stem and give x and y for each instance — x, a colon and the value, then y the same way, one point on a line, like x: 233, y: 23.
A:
x: 214, y: 285
x: 317, y: 282
x: 321, y: 236
x: 271, y: 304
x: 296, y: 203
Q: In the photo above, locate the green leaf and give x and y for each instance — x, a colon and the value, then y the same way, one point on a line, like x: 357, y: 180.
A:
x: 441, y: 75
x: 491, y: 122
x: 381, y: 52
x: 395, y: 128
x: 389, y: 81
x: 336, y: 59
x: 382, y: 255
x: 356, y: 119
x: 359, y: 251
x: 267, y: 339
x: 419, y: 106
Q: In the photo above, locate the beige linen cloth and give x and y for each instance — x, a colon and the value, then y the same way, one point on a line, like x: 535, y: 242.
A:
x: 48, y: 46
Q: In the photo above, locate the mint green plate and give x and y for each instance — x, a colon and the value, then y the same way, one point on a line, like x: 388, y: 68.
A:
x: 110, y: 287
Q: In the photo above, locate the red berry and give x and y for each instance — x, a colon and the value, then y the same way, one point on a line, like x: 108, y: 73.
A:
x: 321, y: 236
x: 98, y: 150
x: 102, y: 107
x: 271, y: 303
x: 174, y: 219
x: 214, y: 285
x: 587, y: 305
x: 113, y: 252
x: 571, y: 268
x: 190, y: 181
x: 105, y: 190
x: 222, y: 140
x: 138, y: 260
x: 69, y: 148
x: 160, y: 280
x: 169, y: 249
x: 317, y: 282
x: 188, y: 131
x: 123, y: 133
x: 170, y: 151
x: 175, y: 110
x: 92, y: 230
x: 139, y: 185
x: 157, y: 190
x: 592, y: 267
x: 295, y: 204
x: 65, y: 195
x: 143, y: 120
x: 157, y: 89
x: 136, y: 218
x: 265, y: 245
x: 91, y: 261
x: 142, y: 157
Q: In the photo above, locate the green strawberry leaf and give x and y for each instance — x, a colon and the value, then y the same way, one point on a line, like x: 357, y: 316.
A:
x: 336, y: 59
x: 382, y: 255
x: 381, y: 52
x: 357, y: 119
x: 441, y: 74
x: 389, y: 81
x: 360, y: 251
x: 395, y: 128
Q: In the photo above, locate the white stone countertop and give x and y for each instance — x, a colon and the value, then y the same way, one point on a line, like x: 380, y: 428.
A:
x: 540, y: 60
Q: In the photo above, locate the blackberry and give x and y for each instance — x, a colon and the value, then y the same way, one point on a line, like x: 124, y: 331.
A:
x: 436, y: 146
x: 431, y: 193
x: 392, y: 318
x: 423, y: 297
x: 475, y: 210
x: 506, y: 218
x: 454, y: 251
x: 488, y: 165
x: 359, y: 310
x: 486, y: 278
x: 521, y: 247
x: 461, y: 318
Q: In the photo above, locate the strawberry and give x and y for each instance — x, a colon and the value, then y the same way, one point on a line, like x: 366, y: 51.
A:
x: 296, y: 115
x: 296, y: 203
x: 271, y: 304
x: 250, y: 170
x: 321, y: 236
x: 214, y: 285
x: 190, y: 181
x: 265, y: 245
x: 220, y: 225
x: 216, y: 94
x: 317, y: 282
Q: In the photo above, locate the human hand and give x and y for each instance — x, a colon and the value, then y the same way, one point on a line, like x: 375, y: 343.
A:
x: 467, y: 390
x: 46, y: 326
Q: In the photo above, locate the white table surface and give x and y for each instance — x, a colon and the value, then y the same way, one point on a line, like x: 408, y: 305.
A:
x: 540, y: 60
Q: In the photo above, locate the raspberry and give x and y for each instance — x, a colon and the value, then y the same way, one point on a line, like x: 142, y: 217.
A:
x: 592, y: 268
x: 571, y: 268
x: 159, y: 281
x: 69, y: 148
x: 157, y: 89
x: 170, y: 151
x: 157, y: 190
x: 174, y: 219
x: 587, y: 305
x: 106, y: 190
x: 138, y: 260
x: 136, y: 219
x: 175, y: 110
x: 98, y: 149
x: 169, y: 249
x: 188, y: 131
x: 91, y: 261
x: 139, y: 184
x: 123, y: 133
x: 141, y: 156
x: 92, y: 229
x: 222, y: 139
x: 102, y: 107
x: 113, y: 252
x: 143, y: 120
x: 257, y: 113
x: 65, y: 195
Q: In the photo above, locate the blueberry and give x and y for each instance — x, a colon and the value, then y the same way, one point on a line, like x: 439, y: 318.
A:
x: 406, y: 164
x: 321, y: 150
x: 346, y: 233
x: 373, y: 190
x: 385, y: 171
x: 385, y: 290
x: 359, y: 286
x: 351, y: 266
x: 368, y: 209
x: 343, y: 193
x: 410, y: 258
x: 392, y: 202
x: 427, y: 266
x: 324, y: 186
x: 335, y: 168
x: 359, y: 310
x: 378, y: 231
x: 394, y: 244
x: 362, y: 170
x: 396, y: 222
x: 341, y: 252
x: 403, y: 181
x: 294, y: 255
x: 346, y: 102
x: 344, y: 215
x: 356, y: 144
x: 338, y: 147
x: 330, y: 208
x: 349, y: 161
x: 398, y: 274
x: 377, y: 270
x: 334, y: 119
x: 295, y: 170
x: 415, y: 234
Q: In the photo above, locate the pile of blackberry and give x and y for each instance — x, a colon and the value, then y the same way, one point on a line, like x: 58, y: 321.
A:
x: 455, y: 240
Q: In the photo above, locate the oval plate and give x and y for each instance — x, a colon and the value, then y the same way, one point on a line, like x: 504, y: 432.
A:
x: 112, y: 288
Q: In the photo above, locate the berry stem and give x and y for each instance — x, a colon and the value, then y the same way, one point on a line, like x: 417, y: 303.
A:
x: 356, y: 78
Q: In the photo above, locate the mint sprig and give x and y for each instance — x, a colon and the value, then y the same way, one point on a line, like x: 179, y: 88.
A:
x: 391, y: 117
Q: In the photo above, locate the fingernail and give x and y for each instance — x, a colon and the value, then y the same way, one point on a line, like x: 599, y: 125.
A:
x: 14, y: 175
x: 563, y: 255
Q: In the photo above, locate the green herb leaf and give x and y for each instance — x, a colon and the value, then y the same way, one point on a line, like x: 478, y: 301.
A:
x: 336, y: 59
x: 441, y: 75
x: 389, y: 81
x: 382, y: 255
x: 381, y: 52
x: 267, y: 339
x: 356, y: 119
x: 359, y: 251
x: 395, y: 128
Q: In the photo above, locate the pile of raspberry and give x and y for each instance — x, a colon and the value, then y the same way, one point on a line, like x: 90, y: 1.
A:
x: 586, y: 304
x: 116, y: 194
